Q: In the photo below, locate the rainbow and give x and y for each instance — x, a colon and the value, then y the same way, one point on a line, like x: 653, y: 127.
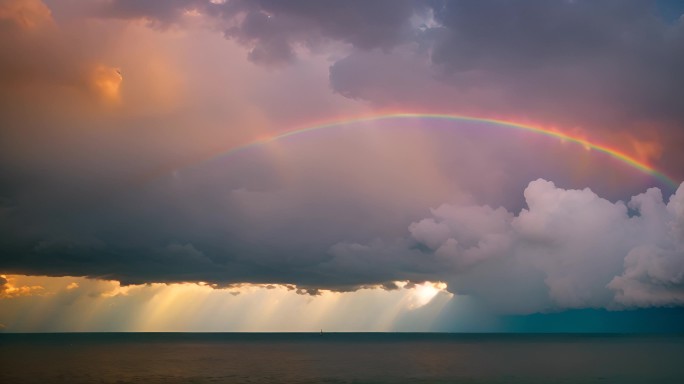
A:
x: 612, y: 152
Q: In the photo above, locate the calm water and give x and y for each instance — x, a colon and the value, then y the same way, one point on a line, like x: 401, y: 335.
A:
x: 340, y: 358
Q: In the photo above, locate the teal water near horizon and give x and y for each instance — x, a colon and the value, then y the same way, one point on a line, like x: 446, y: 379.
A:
x: 340, y: 358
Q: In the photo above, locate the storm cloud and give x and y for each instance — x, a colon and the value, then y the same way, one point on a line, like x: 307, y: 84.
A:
x: 274, y: 30
x: 565, y: 249
x: 601, y: 66
x: 110, y: 111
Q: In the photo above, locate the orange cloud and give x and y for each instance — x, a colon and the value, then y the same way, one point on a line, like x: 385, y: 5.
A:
x: 71, y: 286
x: 9, y: 290
x: 646, y: 151
x: 107, y: 82
x: 26, y: 14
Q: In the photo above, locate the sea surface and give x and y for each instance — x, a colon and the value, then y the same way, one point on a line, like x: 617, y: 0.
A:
x: 339, y: 358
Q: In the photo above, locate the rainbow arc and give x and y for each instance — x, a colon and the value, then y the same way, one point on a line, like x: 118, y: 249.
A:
x: 587, y: 144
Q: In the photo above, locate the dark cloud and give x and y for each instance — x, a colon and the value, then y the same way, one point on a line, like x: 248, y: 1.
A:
x: 273, y: 30
x: 566, y: 249
x: 617, y: 54
x: 605, y: 66
x: 621, y: 56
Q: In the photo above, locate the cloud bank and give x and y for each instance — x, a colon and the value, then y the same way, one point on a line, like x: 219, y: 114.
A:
x: 566, y: 249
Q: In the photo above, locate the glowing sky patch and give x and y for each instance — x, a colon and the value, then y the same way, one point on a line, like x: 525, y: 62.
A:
x: 107, y: 81
x: 79, y: 304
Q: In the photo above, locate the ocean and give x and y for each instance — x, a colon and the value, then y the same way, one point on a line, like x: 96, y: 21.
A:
x: 340, y: 358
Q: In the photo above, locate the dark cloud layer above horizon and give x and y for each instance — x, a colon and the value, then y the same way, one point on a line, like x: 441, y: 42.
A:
x: 567, y: 249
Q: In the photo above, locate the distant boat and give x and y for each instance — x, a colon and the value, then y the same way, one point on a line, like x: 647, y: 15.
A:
x: 321, y: 331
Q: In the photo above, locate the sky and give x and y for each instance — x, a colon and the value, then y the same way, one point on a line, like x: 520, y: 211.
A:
x: 452, y: 166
